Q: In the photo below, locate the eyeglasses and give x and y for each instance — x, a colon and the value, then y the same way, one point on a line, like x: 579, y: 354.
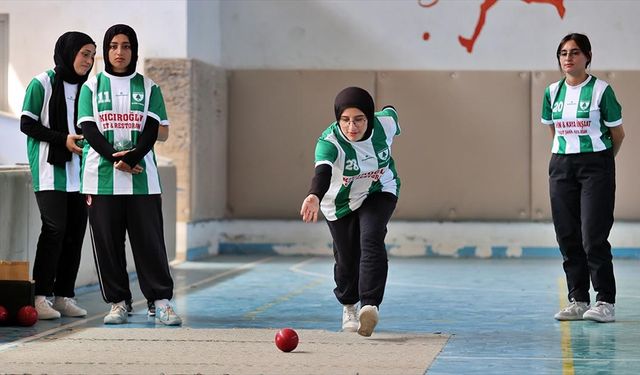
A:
x: 358, y: 121
x: 572, y: 53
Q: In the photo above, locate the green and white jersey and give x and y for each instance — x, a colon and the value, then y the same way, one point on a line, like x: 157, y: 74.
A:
x: 358, y: 168
x: 119, y: 106
x: 47, y: 176
x: 581, y: 115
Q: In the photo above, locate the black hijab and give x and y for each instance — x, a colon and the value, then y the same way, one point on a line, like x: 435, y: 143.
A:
x: 133, y: 40
x: 65, y: 52
x: 356, y: 97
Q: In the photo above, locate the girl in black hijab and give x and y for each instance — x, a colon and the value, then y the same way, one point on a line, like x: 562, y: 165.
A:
x: 356, y: 185
x: 121, y: 113
x: 48, y: 119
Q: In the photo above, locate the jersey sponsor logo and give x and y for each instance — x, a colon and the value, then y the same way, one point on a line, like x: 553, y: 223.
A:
x: 374, y: 175
x: 138, y: 97
x: 384, y: 154
x: 584, y: 105
x: 351, y: 165
x: 104, y: 97
x: 566, y: 127
x: 121, y: 120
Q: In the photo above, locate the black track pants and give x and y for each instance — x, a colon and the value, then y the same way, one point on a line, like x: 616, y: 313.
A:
x: 361, y: 262
x: 64, y: 222
x: 582, y: 189
x: 139, y: 216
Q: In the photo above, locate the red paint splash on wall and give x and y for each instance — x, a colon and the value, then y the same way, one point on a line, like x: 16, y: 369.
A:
x: 426, y: 4
x: 468, y: 43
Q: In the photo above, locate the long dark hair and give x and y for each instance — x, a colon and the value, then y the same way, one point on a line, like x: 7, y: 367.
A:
x: 583, y: 44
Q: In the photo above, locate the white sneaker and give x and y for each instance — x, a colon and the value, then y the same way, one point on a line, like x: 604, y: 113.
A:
x: 368, y: 320
x: 573, y: 311
x: 117, y: 315
x: 602, y: 312
x: 167, y: 316
x: 44, y: 309
x: 68, y: 307
x: 350, y: 318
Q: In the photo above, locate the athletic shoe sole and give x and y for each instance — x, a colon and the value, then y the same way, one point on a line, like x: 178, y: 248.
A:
x: 368, y: 322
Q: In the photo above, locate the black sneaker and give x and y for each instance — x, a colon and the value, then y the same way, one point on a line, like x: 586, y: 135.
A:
x: 129, y: 306
x: 152, y: 308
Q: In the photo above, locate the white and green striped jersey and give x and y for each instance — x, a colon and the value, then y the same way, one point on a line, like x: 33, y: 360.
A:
x: 581, y: 115
x: 119, y: 106
x: 358, y: 168
x: 47, y: 176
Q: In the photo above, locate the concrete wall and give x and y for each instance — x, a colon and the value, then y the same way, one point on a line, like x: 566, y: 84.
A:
x: 160, y: 26
x: 403, y: 35
x: 20, y: 220
x: 472, y: 146
x: 196, y: 98
x: 625, y: 85
x: 327, y: 34
x: 13, y: 147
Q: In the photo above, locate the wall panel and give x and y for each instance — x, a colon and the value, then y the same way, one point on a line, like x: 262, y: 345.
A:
x: 464, y: 151
x: 275, y: 118
x: 625, y: 85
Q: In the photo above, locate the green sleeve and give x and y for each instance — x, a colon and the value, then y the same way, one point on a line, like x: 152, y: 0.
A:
x: 326, y: 151
x: 33, y: 99
x: 85, y: 104
x: 546, y: 106
x: 610, y: 109
x: 391, y: 112
x: 156, y: 106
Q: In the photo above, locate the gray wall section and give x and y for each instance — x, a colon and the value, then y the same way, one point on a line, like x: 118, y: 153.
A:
x: 464, y: 149
x: 625, y: 85
x: 20, y: 220
x: 463, y: 153
x: 17, y: 211
x: 275, y: 120
x: 472, y: 146
x: 195, y: 94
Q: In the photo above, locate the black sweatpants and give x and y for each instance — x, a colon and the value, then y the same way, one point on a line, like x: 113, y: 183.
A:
x: 582, y: 188
x: 64, y: 222
x: 361, y: 262
x: 113, y: 216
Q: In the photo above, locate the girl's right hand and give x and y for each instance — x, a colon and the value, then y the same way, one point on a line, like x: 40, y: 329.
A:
x: 71, y: 143
x: 310, y: 208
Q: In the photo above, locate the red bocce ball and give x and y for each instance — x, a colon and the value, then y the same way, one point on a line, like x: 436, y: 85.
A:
x: 286, y: 339
x: 4, y: 315
x: 27, y: 316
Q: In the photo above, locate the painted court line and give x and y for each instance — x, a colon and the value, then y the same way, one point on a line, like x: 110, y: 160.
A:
x: 565, y: 334
x: 252, y: 314
x: 542, y: 359
x: 295, y: 268
x: 67, y: 326
x: 298, y: 269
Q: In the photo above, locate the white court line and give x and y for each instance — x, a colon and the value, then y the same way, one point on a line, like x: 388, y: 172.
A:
x: 67, y: 326
x: 286, y: 297
x: 297, y: 268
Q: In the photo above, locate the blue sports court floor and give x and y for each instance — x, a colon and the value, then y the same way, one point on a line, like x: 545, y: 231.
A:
x: 498, y: 311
